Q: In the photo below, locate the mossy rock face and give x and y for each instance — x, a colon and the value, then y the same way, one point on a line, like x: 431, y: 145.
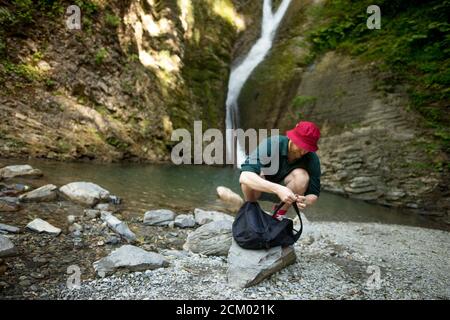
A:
x: 130, y: 89
x: 271, y: 87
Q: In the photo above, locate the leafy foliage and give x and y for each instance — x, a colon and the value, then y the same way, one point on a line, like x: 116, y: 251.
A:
x: 413, y: 43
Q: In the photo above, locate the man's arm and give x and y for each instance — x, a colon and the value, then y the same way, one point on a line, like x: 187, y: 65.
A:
x: 255, y: 182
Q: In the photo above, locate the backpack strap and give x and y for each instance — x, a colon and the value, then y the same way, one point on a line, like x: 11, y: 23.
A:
x: 297, y: 211
x: 299, y: 232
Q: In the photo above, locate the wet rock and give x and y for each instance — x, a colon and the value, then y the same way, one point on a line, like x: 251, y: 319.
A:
x: 249, y: 267
x: 19, y: 171
x: 202, y: 216
x: 44, y: 193
x: 40, y: 225
x: 7, y: 248
x: 229, y: 197
x: 213, y: 238
x: 9, y: 204
x: 87, y: 193
x: 184, y: 221
x: 160, y: 217
x: 118, y: 226
x: 4, y: 228
x: 130, y: 258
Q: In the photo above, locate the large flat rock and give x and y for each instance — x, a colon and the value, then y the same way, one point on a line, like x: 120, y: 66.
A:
x: 160, y: 217
x: 40, y: 226
x: 7, y: 248
x: 9, y: 204
x: 4, y: 228
x: 44, y: 193
x: 249, y: 267
x: 130, y: 258
x: 118, y: 226
x: 204, y: 216
x: 213, y: 238
x: 19, y: 171
x: 184, y: 221
x: 87, y: 193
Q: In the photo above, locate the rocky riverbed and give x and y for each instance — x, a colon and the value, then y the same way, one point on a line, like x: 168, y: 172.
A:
x: 333, y: 260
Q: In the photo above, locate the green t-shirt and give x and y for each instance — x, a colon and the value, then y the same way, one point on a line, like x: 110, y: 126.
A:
x: 309, y: 162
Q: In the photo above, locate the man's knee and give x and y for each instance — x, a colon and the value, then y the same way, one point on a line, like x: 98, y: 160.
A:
x: 298, y: 178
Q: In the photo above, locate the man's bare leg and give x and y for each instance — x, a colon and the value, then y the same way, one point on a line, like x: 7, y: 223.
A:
x: 249, y: 193
x: 297, y: 181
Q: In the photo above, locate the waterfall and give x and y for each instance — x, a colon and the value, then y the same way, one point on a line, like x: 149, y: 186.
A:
x: 240, y: 74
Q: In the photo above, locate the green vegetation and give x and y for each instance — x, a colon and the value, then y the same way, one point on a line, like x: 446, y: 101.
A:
x: 300, y: 101
x: 22, y: 70
x: 16, y: 19
x: 101, y: 55
x: 21, y: 13
x: 413, y: 44
x: 112, y: 20
x: 117, y: 143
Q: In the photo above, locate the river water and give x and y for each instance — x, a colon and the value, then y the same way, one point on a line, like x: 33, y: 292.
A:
x: 183, y: 188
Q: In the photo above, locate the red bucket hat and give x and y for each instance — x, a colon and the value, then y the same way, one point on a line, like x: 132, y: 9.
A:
x: 305, y: 135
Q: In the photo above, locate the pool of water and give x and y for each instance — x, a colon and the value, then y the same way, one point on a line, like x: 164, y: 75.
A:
x: 147, y: 186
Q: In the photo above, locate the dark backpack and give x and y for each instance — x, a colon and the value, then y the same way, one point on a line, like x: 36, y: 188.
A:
x: 255, y: 229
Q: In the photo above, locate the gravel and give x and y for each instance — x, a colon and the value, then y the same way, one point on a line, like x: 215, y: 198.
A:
x: 333, y: 260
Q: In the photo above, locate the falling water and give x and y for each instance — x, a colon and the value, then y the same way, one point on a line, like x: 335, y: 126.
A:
x: 240, y: 74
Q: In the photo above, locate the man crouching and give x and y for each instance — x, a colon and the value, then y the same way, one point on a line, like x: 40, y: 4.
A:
x: 298, y: 169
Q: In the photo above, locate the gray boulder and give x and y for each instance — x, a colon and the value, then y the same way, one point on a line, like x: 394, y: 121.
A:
x: 118, y: 226
x: 7, y: 248
x: 202, y: 216
x: 213, y: 238
x: 184, y: 221
x: 9, y: 204
x: 4, y: 228
x: 19, y: 171
x: 86, y: 193
x: 40, y: 225
x: 249, y: 267
x: 44, y: 193
x: 161, y: 217
x: 130, y: 258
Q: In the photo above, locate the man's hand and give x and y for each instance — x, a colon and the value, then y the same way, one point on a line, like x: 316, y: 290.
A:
x: 286, y: 195
x: 301, y: 202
